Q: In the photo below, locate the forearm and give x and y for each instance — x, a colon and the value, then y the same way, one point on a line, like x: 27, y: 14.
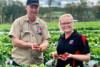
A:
x: 44, y: 43
x: 81, y: 57
x: 20, y: 43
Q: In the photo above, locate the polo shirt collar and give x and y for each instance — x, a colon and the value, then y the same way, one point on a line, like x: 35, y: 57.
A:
x: 73, y: 34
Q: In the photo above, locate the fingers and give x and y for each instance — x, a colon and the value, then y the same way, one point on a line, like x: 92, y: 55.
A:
x: 64, y: 57
x: 35, y: 47
x: 43, y: 47
x: 55, y: 55
x: 39, y: 48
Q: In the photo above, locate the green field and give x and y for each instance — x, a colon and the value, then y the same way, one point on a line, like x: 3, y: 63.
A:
x: 90, y: 29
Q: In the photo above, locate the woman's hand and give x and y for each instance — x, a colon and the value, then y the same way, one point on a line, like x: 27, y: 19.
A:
x: 54, y: 55
x: 64, y: 56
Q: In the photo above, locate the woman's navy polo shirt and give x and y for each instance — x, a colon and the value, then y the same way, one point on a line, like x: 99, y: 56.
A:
x: 75, y: 44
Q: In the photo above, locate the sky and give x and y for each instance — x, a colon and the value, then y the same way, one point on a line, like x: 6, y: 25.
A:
x: 43, y: 3
x: 64, y: 0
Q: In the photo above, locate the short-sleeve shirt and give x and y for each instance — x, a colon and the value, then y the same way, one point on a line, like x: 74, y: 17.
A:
x: 35, y: 32
x: 74, y: 44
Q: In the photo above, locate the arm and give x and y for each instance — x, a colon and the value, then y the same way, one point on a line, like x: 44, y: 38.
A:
x: 84, y: 48
x: 81, y: 57
x: 22, y: 44
x: 45, y: 34
x: 15, y: 34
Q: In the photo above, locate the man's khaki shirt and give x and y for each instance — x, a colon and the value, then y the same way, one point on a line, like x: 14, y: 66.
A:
x: 28, y: 32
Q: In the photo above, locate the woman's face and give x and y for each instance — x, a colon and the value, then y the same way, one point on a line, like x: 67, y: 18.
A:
x: 66, y: 24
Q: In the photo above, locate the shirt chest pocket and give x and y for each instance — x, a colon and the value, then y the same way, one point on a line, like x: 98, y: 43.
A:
x: 25, y: 35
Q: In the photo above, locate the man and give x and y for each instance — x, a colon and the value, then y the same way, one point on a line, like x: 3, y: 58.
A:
x: 29, y: 36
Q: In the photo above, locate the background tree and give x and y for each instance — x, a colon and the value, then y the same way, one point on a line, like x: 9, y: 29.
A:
x: 98, y: 10
x: 3, y: 4
x: 82, y: 11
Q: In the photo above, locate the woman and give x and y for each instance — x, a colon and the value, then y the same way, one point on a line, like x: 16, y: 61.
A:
x: 72, y: 47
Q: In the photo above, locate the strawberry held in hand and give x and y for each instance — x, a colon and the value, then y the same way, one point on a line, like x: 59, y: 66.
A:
x: 63, y: 56
x: 35, y: 47
x: 66, y: 54
x: 55, y: 55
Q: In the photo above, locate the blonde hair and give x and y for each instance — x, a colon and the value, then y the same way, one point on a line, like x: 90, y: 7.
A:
x: 66, y: 15
x: 63, y: 16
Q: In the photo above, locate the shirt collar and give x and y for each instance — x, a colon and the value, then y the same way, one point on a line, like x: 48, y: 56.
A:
x: 73, y: 34
x: 27, y: 20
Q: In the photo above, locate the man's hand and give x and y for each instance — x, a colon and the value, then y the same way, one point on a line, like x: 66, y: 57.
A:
x: 43, y: 47
x: 35, y: 47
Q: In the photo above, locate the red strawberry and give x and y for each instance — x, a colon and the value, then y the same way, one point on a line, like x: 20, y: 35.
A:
x: 64, y: 56
x: 34, y: 46
x: 55, y: 56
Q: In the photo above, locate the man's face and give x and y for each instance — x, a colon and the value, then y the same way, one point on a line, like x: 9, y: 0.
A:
x: 66, y: 24
x: 32, y: 10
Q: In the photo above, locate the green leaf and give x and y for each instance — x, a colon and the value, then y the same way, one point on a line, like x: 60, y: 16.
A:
x: 68, y: 65
x: 33, y: 65
x: 42, y: 65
